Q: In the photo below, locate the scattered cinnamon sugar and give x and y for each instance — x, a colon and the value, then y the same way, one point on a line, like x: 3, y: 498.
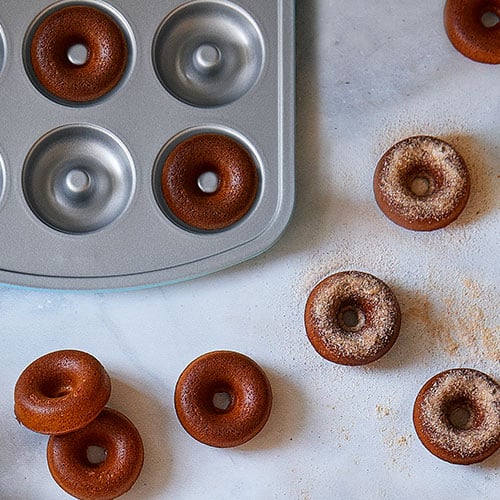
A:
x: 491, y: 343
x: 399, y: 442
x: 382, y: 411
x: 420, y: 310
x: 345, y: 434
x: 403, y: 440
x: 469, y: 318
x: 458, y: 321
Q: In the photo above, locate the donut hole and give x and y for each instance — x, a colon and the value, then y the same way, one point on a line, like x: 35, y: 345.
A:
x: 351, y: 318
x: 222, y: 400
x: 461, y: 414
x: 422, y: 181
x: 217, y: 397
x: 96, y: 454
x: 490, y: 19
x: 208, y: 182
x: 78, y: 54
x: 420, y: 186
x: 56, y: 387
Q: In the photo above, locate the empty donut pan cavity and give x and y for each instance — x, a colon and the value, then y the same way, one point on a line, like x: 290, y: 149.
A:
x: 81, y: 198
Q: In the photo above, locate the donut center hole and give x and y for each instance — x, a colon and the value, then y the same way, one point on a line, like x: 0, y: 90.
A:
x: 421, y: 185
x: 96, y: 454
x: 221, y: 400
x: 55, y: 388
x: 351, y: 318
x: 208, y: 182
x: 77, y: 183
x: 460, y: 415
x: 490, y: 19
x: 78, y: 54
x: 207, y: 57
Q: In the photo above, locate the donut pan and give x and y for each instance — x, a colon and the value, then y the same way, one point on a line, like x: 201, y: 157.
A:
x: 81, y: 201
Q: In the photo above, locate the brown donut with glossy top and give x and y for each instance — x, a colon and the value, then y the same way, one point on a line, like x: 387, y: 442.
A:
x: 235, y: 376
x: 457, y: 416
x: 236, y: 189
x: 464, y: 26
x: 107, y: 53
x: 352, y: 318
x: 121, y: 442
x: 61, y: 391
x: 421, y: 183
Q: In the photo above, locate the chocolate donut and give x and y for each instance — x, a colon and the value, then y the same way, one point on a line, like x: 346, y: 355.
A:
x: 352, y: 318
x: 421, y: 183
x: 241, y: 381
x: 71, y: 26
x: 235, y: 172
x: 463, y: 21
x: 457, y: 416
x: 60, y: 392
x: 71, y: 468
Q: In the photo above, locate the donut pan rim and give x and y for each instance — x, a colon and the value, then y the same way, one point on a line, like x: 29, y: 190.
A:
x: 143, y: 247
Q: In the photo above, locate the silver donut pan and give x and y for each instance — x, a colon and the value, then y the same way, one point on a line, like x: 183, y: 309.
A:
x: 79, y: 198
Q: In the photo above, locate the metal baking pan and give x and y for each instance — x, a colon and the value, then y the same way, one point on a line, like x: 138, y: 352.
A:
x: 80, y: 204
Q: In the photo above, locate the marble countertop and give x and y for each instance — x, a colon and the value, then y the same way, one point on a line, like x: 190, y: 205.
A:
x: 368, y: 74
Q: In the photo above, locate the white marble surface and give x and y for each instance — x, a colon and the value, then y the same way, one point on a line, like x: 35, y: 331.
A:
x: 368, y: 73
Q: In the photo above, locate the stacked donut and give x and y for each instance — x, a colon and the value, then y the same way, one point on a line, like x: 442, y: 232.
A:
x: 64, y: 394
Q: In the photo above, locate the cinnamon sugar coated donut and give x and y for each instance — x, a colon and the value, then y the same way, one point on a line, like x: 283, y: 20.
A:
x: 241, y: 381
x: 352, y: 318
x: 71, y: 468
x: 468, y: 33
x: 106, y: 47
x: 421, y: 183
x: 457, y: 416
x: 234, y: 169
x: 60, y: 392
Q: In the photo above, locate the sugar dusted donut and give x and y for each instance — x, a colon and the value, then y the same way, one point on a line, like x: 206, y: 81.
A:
x: 71, y: 468
x: 464, y: 26
x: 235, y: 172
x: 104, y: 41
x: 246, y: 388
x: 352, y: 318
x: 457, y: 416
x: 421, y: 183
x: 60, y: 392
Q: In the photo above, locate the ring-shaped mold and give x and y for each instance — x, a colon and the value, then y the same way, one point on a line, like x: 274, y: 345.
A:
x: 213, y: 191
x: 208, y: 53
x: 3, y: 49
x: 3, y: 178
x: 78, y: 178
x: 77, y: 83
